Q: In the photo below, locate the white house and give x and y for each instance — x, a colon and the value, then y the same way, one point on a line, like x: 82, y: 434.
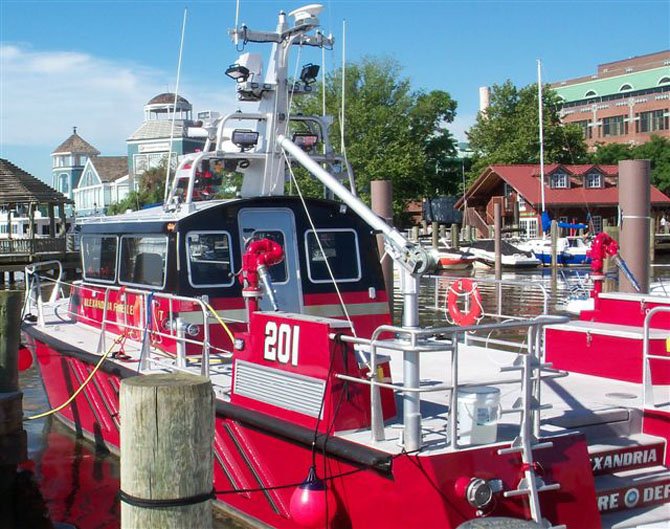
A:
x: 103, y: 181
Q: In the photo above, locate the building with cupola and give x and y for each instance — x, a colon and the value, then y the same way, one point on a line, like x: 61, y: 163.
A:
x: 68, y: 161
x: 150, y: 144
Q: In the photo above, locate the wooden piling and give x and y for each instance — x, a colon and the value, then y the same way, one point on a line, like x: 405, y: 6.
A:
x: 497, y: 244
x: 435, y: 235
x: 381, y: 195
x: 635, y: 204
x: 12, y: 435
x: 554, y: 244
x: 453, y: 232
x: 167, y: 430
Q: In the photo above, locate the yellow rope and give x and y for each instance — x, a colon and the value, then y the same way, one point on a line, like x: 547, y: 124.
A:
x: 83, y: 385
x: 223, y: 324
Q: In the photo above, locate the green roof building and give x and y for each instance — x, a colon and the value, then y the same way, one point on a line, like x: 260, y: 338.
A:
x: 623, y: 102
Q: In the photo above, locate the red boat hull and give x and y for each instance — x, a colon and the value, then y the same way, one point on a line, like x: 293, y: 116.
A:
x: 373, y: 490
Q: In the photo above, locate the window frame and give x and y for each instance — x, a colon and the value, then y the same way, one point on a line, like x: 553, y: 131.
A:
x: 308, y: 260
x: 119, y: 257
x: 188, y: 258
x: 116, y: 257
x: 554, y: 177
x: 588, y: 180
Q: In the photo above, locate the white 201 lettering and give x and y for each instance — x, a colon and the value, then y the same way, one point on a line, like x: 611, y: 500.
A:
x: 281, y: 343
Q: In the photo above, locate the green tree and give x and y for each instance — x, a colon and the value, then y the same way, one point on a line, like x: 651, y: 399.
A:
x: 391, y: 132
x: 508, y: 132
x: 151, y: 191
x: 656, y: 150
x: 611, y: 153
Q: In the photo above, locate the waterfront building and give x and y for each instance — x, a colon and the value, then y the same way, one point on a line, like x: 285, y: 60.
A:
x: 68, y: 161
x: 149, y: 145
x: 625, y: 101
x: 104, y: 181
x: 573, y: 194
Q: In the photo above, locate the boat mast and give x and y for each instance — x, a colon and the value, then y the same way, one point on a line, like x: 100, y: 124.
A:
x: 541, y: 124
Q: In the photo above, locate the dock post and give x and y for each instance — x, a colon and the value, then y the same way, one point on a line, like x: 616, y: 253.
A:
x: 443, y: 231
x: 554, y: 244
x: 454, y: 232
x: 415, y: 233
x: 12, y: 435
x: 381, y: 195
x: 635, y: 204
x: 497, y: 244
x: 167, y: 432
x: 435, y: 235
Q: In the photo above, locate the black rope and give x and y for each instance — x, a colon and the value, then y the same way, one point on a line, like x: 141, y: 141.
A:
x: 147, y: 503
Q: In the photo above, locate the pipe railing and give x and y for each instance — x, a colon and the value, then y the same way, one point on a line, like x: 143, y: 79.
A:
x: 148, y: 331
x: 647, y: 384
x: 447, y: 340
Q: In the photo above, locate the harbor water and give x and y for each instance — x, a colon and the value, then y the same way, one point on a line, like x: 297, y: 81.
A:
x: 68, y: 483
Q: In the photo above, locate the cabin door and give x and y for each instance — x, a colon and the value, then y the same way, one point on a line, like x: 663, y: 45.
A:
x: 277, y: 224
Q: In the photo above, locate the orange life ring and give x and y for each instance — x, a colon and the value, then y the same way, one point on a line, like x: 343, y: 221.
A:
x: 468, y: 288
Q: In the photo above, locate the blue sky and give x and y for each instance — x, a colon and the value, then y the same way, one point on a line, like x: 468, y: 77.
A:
x: 94, y: 64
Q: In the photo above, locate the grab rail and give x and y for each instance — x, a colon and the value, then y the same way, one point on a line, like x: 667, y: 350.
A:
x: 174, y: 329
x: 446, y: 340
x: 498, y: 284
x: 647, y: 384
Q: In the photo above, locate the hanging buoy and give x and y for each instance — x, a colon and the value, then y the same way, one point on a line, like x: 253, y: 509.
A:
x: 312, y: 505
x: 25, y: 358
x: 464, y: 287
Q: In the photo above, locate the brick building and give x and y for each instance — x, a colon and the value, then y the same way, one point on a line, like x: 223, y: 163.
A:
x: 623, y: 102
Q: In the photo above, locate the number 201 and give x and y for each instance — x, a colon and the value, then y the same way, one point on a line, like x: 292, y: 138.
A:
x: 281, y: 343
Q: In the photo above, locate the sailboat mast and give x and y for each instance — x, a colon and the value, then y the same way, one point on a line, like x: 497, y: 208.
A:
x: 541, y: 122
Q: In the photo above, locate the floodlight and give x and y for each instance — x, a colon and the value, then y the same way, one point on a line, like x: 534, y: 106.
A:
x: 244, y: 139
x: 305, y: 140
x: 309, y: 73
x: 238, y: 73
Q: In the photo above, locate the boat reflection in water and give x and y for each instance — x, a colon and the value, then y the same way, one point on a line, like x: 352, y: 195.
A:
x: 78, y: 484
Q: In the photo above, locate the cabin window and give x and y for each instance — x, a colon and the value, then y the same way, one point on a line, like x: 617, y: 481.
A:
x: 594, y: 180
x: 209, y: 259
x: 339, y: 248
x: 143, y: 259
x: 278, y: 273
x: 99, y: 257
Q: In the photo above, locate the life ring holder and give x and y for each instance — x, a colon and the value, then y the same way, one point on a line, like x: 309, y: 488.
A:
x: 464, y: 287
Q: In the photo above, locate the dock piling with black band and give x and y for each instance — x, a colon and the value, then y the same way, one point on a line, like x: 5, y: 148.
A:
x: 167, y: 429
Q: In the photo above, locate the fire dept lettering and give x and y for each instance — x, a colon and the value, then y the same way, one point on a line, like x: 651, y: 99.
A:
x: 122, y: 308
x: 624, y: 459
x: 281, y: 343
x: 631, y: 497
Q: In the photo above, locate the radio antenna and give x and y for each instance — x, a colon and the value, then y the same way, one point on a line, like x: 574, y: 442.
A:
x: 174, y: 109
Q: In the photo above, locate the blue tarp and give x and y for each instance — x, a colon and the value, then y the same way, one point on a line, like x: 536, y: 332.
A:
x: 546, y: 224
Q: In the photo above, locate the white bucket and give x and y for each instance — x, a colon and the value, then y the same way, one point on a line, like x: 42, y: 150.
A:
x: 478, y: 414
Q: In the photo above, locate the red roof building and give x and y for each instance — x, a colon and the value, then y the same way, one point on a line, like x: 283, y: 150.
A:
x: 572, y: 193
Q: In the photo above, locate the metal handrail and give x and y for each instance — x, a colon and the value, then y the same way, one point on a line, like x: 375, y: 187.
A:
x: 143, y: 326
x: 499, y: 284
x: 419, y: 341
x: 647, y: 385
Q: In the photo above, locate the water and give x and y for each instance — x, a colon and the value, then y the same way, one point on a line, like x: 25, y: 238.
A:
x: 67, y: 480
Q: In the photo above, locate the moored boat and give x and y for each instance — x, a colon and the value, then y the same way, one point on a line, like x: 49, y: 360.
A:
x: 280, y: 302
x: 512, y: 257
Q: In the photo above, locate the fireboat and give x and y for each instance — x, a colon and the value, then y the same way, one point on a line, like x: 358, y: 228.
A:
x: 490, y: 421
